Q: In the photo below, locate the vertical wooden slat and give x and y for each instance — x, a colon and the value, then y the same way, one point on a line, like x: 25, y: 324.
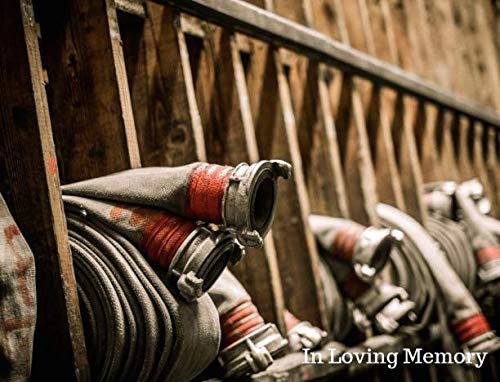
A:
x: 158, y: 69
x: 274, y: 122
x: 350, y: 122
x: 30, y: 185
x: 309, y: 83
x: 493, y: 167
x: 220, y: 88
x: 464, y: 146
x: 88, y: 93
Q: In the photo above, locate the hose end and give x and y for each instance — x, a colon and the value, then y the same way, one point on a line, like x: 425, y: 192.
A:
x: 372, y: 250
x: 249, y: 201
x: 200, y: 260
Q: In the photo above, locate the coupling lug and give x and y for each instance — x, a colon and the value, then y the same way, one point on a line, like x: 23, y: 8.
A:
x: 250, y: 238
x: 190, y: 286
x: 282, y: 168
x: 305, y: 335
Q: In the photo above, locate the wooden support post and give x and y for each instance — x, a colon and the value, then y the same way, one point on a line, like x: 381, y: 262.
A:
x: 30, y: 185
x: 347, y: 106
x: 309, y: 83
x: 274, y: 121
x: 219, y: 83
x: 88, y: 92
x: 480, y: 168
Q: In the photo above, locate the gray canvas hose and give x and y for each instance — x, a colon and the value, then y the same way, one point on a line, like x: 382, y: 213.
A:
x: 135, y: 327
x: 17, y: 300
x: 466, y: 318
x: 242, y: 198
x: 147, y: 244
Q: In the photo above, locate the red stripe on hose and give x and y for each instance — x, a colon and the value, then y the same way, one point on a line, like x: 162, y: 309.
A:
x: 162, y: 233
x: 206, y: 191
x: 345, y: 241
x: 239, y: 322
x: 487, y: 254
x: 290, y: 320
x: 471, y: 327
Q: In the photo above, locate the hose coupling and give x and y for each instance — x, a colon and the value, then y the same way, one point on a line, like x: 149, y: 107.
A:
x: 372, y: 250
x: 252, y: 353
x: 302, y: 334
x: 487, y: 342
x: 200, y: 260
x: 388, y: 305
x: 249, y: 202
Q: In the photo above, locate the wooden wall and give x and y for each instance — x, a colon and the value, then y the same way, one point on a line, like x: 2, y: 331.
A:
x: 87, y: 89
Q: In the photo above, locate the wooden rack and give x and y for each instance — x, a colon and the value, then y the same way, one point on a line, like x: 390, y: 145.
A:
x: 92, y: 87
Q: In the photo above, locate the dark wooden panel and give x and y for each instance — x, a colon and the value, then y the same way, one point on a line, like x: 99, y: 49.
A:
x: 158, y: 70
x: 88, y: 91
x: 30, y: 185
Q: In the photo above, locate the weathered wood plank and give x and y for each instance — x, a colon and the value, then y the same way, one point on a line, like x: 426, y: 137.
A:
x: 275, y: 127
x: 30, y: 185
x: 88, y: 89
x: 168, y: 124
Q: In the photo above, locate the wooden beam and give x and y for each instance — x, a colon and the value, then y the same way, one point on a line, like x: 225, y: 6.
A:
x: 88, y: 89
x: 30, y: 185
x: 241, y: 16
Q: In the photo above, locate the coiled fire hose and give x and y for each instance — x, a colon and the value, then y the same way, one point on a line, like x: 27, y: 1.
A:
x: 355, y: 255
x: 467, y: 321
x: 466, y: 203
x: 138, y: 243
x: 17, y: 300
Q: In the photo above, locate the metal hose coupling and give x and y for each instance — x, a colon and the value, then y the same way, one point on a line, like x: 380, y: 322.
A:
x: 367, y: 249
x: 388, y: 306
x: 193, y: 255
x: 248, y: 343
x: 372, y: 250
x: 302, y: 334
x: 249, y: 202
x: 200, y: 260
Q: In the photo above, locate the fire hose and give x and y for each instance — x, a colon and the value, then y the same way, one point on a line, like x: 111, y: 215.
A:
x: 17, y: 300
x: 147, y: 244
x: 467, y: 321
x: 355, y: 255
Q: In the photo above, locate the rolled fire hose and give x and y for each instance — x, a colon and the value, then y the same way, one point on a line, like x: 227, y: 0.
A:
x: 242, y: 198
x: 135, y: 328
x: 467, y: 321
x: 248, y: 344
x: 356, y: 254
x: 17, y: 300
x: 124, y: 224
x: 484, y: 242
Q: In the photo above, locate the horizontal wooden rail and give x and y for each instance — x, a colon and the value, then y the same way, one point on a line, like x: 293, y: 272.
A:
x: 257, y: 22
